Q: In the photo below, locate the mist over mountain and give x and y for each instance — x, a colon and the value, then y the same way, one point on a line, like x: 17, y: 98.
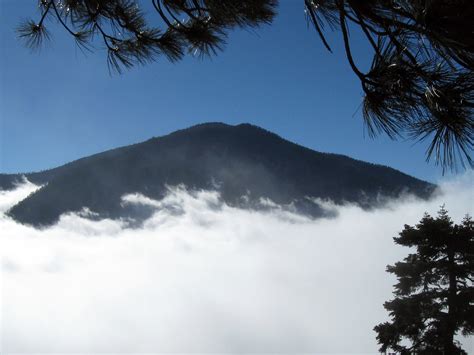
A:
x: 244, y: 163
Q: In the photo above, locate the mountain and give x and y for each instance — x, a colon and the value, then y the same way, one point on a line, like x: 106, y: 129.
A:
x: 242, y: 160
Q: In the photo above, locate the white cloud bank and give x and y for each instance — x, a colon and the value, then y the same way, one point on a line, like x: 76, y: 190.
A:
x: 204, y: 277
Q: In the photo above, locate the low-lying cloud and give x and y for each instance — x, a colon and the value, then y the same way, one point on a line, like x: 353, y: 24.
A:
x: 200, y: 276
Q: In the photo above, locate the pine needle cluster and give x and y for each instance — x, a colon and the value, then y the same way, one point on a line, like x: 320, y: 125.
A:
x: 421, y: 81
x: 199, y: 27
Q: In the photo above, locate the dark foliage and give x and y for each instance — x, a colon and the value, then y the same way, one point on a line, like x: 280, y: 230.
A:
x: 420, y: 85
x: 196, y: 26
x: 434, y: 296
x: 421, y: 82
x: 238, y: 161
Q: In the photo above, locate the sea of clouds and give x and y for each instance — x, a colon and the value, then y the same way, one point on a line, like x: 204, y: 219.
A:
x: 200, y: 276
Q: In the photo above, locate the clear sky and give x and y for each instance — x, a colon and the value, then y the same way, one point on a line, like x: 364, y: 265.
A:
x: 59, y: 105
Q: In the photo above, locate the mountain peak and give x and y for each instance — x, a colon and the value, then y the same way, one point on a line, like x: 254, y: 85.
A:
x: 245, y: 160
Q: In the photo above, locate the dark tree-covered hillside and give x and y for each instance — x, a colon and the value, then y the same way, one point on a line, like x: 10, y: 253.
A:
x: 244, y: 163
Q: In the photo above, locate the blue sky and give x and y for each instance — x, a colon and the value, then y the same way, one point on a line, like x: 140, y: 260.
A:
x: 59, y: 105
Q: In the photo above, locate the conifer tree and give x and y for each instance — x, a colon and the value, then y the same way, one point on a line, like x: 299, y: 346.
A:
x: 434, y: 296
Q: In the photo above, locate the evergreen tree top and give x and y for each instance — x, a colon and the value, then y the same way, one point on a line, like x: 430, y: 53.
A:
x: 434, y: 296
